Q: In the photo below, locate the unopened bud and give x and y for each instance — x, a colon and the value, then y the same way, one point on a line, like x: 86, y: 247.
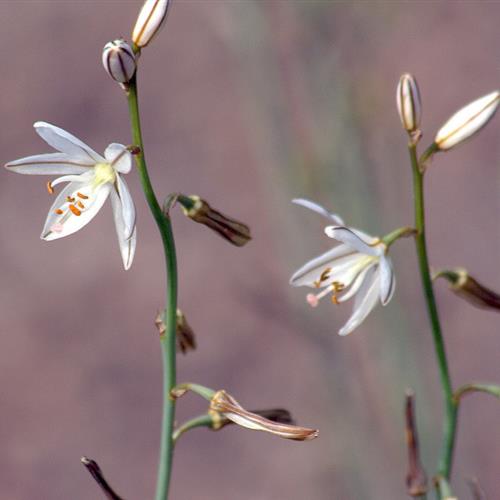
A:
x: 150, y: 20
x: 200, y: 211
x: 185, y: 338
x: 408, y: 102
x: 118, y: 60
x: 467, y: 121
x: 224, y: 405
x: 465, y: 286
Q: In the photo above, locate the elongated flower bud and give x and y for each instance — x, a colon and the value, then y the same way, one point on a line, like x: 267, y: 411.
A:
x: 200, y: 211
x: 467, y: 121
x: 226, y: 406
x: 408, y: 102
x: 468, y: 288
x: 150, y: 20
x: 118, y: 60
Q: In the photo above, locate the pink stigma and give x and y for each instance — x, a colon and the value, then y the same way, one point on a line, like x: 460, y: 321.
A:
x: 56, y: 228
x: 312, y: 300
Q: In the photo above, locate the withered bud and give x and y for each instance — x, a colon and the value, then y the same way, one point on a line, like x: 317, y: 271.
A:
x: 186, y: 340
x: 465, y: 286
x: 150, y: 21
x: 416, y: 478
x: 225, y: 406
x: 118, y: 60
x: 408, y: 102
x: 96, y: 472
x: 277, y: 415
x: 200, y: 211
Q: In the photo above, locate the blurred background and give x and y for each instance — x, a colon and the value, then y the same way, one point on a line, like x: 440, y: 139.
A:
x: 247, y: 103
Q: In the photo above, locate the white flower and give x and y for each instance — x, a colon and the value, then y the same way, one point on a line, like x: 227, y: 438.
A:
x: 357, y: 267
x: 91, y: 179
x: 467, y: 121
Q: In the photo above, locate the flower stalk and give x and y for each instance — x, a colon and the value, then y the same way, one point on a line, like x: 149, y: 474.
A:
x: 451, y: 407
x: 167, y: 341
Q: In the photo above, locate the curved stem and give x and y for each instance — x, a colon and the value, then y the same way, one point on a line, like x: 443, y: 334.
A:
x: 167, y: 341
x: 201, y: 421
x: 450, y: 418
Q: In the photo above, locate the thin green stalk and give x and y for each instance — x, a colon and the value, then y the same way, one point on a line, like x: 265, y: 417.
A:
x: 167, y: 341
x: 201, y: 421
x: 450, y: 417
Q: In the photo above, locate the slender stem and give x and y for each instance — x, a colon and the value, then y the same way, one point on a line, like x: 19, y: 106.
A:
x: 450, y: 417
x: 167, y: 341
x: 201, y: 421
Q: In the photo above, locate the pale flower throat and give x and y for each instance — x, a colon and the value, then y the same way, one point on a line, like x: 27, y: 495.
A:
x: 103, y: 173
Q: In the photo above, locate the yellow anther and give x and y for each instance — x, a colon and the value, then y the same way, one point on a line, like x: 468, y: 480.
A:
x: 50, y: 189
x: 75, y: 210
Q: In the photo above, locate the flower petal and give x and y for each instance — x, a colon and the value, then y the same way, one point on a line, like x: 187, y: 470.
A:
x: 59, y: 225
x: 311, y: 271
x: 366, y: 299
x: 311, y: 205
x: 119, y: 157
x: 127, y: 206
x: 127, y: 245
x: 387, y: 280
x: 357, y: 282
x: 49, y: 164
x: 356, y: 239
x: 66, y: 143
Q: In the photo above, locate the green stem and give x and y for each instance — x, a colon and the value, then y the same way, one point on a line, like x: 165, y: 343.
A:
x: 167, y: 341
x: 201, y: 421
x: 450, y: 417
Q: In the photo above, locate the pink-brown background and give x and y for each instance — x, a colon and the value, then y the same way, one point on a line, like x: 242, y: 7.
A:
x: 247, y: 103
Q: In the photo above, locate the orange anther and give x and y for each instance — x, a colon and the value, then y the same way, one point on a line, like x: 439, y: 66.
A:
x: 80, y: 204
x: 58, y: 211
x: 70, y: 199
x: 82, y: 196
x: 75, y: 210
x: 50, y: 189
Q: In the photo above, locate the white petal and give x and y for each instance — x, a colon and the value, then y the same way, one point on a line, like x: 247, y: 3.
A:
x: 127, y: 206
x: 311, y: 270
x: 49, y: 164
x: 366, y: 299
x: 387, y: 280
x: 84, y: 178
x: 119, y: 157
x: 311, y: 205
x: 127, y: 246
x: 356, y: 285
x: 58, y: 226
x: 66, y: 143
x: 355, y: 239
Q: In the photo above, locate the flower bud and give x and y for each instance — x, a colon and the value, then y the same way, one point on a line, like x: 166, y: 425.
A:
x: 408, y: 102
x: 185, y: 337
x: 224, y: 405
x: 467, y: 121
x: 118, y: 60
x: 150, y: 20
x: 200, y: 211
x: 465, y: 286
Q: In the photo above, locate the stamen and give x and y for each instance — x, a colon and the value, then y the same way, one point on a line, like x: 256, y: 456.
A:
x: 75, y: 210
x: 82, y: 196
x: 70, y: 199
x: 50, y: 189
x: 80, y: 204
x: 58, y: 211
